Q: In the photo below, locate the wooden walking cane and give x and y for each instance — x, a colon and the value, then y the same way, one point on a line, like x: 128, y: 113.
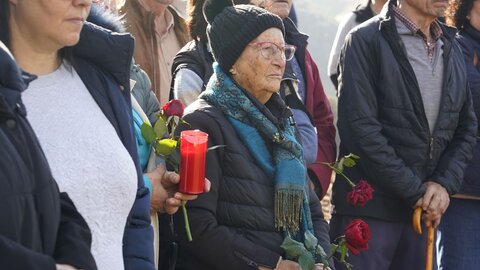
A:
x: 417, y: 227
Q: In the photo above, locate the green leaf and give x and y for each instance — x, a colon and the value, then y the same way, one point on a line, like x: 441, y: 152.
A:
x: 293, y: 248
x: 310, y: 241
x: 349, y: 162
x: 165, y: 147
x: 148, y: 133
x: 333, y: 248
x: 306, y: 261
x: 160, y: 127
x: 320, y: 251
x: 323, y: 255
x: 343, y: 252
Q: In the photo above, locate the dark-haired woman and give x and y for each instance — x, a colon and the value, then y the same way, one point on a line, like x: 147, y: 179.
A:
x: 79, y: 106
x: 260, y: 193
x: 459, y: 236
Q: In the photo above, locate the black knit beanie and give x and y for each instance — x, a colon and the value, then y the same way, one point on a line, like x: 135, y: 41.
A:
x: 230, y: 28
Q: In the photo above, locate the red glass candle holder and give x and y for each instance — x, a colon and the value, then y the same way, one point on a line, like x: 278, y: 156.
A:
x: 193, y: 151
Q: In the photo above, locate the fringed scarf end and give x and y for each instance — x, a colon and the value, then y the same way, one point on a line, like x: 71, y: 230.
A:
x: 288, y: 207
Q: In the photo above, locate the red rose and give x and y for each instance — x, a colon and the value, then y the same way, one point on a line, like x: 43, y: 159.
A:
x: 357, y: 236
x: 361, y: 193
x: 173, y: 108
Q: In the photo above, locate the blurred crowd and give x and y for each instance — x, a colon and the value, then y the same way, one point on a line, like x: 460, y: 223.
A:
x: 84, y: 188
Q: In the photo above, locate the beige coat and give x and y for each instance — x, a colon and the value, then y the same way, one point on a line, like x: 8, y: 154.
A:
x: 140, y: 23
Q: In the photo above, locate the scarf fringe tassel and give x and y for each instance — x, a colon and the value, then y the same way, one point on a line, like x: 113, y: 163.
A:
x: 288, y: 209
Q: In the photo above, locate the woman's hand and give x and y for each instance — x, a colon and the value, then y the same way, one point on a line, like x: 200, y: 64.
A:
x: 65, y: 267
x: 288, y: 265
x: 320, y: 266
x: 165, y: 195
x: 283, y: 265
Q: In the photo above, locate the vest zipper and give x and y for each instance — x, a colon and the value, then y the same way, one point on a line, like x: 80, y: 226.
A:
x: 430, y: 147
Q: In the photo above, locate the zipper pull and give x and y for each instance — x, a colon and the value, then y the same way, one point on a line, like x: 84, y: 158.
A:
x: 431, y: 147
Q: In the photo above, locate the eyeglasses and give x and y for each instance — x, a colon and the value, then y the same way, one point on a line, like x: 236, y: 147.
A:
x: 269, y: 50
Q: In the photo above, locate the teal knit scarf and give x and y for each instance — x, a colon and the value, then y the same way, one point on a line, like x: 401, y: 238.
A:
x: 284, y: 162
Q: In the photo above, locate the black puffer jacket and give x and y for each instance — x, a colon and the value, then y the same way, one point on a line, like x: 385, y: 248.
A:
x: 233, y: 224
x: 196, y: 57
x: 381, y: 118
x: 38, y: 227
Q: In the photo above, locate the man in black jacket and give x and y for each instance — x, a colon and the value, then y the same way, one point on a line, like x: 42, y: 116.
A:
x: 406, y: 110
x: 39, y: 228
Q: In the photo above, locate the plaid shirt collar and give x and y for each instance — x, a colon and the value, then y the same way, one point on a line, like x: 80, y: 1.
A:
x: 435, y: 29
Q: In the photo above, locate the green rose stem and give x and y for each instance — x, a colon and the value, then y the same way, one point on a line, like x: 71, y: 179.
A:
x: 338, y: 171
x: 187, y: 224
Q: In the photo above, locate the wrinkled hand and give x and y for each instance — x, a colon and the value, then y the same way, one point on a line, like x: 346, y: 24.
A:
x: 320, y: 266
x: 165, y: 197
x: 434, y: 203
x: 288, y: 265
x: 283, y: 265
x: 65, y: 267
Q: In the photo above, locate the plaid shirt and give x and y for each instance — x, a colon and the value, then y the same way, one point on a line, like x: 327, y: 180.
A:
x: 435, y: 31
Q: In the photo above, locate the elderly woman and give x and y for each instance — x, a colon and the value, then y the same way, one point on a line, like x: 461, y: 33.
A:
x: 192, y: 69
x: 79, y: 106
x: 260, y: 192
x: 459, y: 238
x: 303, y: 94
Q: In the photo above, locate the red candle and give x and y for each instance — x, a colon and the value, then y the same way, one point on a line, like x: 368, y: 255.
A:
x: 193, y: 150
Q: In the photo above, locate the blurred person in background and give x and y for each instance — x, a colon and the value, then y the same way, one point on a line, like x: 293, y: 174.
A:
x: 160, y: 32
x: 362, y: 13
x: 458, y: 232
x: 303, y: 78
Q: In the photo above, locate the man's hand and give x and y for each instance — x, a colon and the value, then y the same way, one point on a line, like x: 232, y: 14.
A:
x: 165, y: 197
x: 434, y: 203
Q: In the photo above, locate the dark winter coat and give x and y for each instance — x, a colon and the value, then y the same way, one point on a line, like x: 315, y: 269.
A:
x: 196, y: 57
x: 103, y: 61
x: 382, y: 119
x: 233, y: 225
x: 469, y: 39
x: 142, y: 90
x: 38, y: 226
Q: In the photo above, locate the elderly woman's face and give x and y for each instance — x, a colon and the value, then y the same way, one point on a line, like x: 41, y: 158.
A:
x: 260, y: 67
x: 48, y: 24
